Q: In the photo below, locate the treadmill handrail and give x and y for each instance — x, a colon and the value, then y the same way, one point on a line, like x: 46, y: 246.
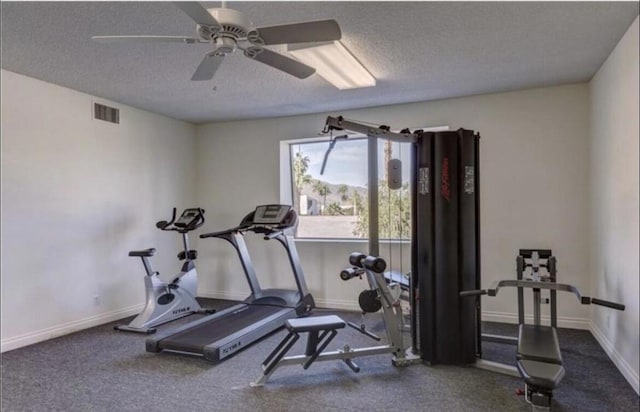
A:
x: 257, y: 228
x: 223, y: 232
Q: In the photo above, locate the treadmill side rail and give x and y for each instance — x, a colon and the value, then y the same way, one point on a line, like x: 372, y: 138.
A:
x: 227, y: 346
x: 152, y: 343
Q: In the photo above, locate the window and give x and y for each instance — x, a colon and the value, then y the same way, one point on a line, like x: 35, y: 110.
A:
x: 335, y: 204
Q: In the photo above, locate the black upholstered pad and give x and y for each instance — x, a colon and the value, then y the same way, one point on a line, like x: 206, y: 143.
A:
x: 141, y: 253
x: 315, y: 323
x: 398, y: 278
x: 540, y: 374
x: 539, y: 343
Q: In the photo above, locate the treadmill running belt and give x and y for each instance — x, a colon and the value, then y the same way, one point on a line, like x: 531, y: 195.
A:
x: 196, y: 338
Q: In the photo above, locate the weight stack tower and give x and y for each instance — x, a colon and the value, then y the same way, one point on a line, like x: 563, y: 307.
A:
x: 446, y: 246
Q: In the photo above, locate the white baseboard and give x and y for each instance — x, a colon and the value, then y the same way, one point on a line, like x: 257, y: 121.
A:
x: 216, y: 294
x: 349, y: 305
x: 623, y: 366
x: 66, y: 328
x: 563, y: 322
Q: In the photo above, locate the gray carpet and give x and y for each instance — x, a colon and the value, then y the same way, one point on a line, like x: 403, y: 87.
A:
x: 102, y: 370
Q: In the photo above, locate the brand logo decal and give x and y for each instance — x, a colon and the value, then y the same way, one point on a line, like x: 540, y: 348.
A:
x: 182, y: 310
x: 445, y: 189
x: 232, y: 348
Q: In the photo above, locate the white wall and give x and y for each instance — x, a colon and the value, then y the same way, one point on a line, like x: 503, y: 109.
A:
x: 533, y: 190
x: 77, y: 195
x: 614, y: 202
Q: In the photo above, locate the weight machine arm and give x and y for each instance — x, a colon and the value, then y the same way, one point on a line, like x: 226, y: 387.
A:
x: 339, y: 123
x: 585, y: 300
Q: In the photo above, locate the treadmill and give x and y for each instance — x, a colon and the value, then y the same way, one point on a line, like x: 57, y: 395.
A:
x: 218, y: 336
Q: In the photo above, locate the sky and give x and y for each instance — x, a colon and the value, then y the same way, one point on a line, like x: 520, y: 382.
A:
x: 347, y: 163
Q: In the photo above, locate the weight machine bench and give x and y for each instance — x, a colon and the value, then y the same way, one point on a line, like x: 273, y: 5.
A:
x: 321, y: 330
x: 538, y: 343
x: 539, y: 363
x: 541, y: 378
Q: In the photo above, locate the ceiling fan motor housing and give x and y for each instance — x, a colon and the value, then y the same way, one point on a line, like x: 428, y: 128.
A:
x: 233, y: 23
x: 225, y: 44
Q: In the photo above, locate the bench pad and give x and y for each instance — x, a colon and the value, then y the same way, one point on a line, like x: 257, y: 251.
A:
x: 538, y: 343
x: 398, y: 278
x: 540, y: 375
x: 315, y: 323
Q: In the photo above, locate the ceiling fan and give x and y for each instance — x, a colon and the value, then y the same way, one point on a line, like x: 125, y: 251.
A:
x: 228, y: 30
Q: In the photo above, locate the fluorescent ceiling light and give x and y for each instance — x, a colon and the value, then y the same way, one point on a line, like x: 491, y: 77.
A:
x: 334, y: 63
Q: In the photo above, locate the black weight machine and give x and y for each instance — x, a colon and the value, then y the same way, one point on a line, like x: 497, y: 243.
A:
x: 445, y: 246
x: 445, y: 262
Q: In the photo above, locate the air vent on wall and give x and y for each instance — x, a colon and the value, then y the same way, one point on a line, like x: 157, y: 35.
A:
x: 106, y: 113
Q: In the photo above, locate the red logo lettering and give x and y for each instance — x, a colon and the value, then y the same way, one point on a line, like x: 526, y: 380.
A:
x: 445, y: 189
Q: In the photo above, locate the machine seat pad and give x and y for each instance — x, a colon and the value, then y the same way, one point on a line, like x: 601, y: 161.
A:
x: 540, y: 375
x: 315, y: 323
x: 539, y: 343
x: 143, y: 253
x: 397, y: 277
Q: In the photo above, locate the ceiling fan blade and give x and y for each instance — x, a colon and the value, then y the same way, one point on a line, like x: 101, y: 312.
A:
x: 208, y: 67
x: 305, y: 32
x: 146, y: 39
x: 280, y: 62
x: 197, y: 13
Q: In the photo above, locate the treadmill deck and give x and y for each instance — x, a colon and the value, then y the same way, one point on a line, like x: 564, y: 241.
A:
x: 220, y: 335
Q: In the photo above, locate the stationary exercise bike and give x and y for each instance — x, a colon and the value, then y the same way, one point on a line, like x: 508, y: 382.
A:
x: 167, y: 301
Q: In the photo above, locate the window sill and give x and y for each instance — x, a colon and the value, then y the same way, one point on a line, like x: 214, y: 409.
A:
x: 344, y: 240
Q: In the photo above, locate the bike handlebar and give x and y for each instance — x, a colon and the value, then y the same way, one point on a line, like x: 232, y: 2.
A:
x: 163, y: 224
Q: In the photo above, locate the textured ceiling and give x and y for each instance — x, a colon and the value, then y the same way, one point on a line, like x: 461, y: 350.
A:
x: 416, y: 50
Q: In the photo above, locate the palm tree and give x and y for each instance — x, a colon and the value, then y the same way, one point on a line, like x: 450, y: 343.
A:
x: 300, y: 176
x: 343, y: 191
x: 335, y: 209
x: 357, y: 203
x: 323, y: 190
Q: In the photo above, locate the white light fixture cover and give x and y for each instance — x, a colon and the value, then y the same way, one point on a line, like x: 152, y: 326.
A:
x: 334, y: 63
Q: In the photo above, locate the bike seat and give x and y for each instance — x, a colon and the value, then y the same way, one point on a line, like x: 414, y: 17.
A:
x: 143, y: 253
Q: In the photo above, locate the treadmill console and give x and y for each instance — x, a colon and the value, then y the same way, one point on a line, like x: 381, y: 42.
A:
x: 189, y: 217
x: 270, y: 214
